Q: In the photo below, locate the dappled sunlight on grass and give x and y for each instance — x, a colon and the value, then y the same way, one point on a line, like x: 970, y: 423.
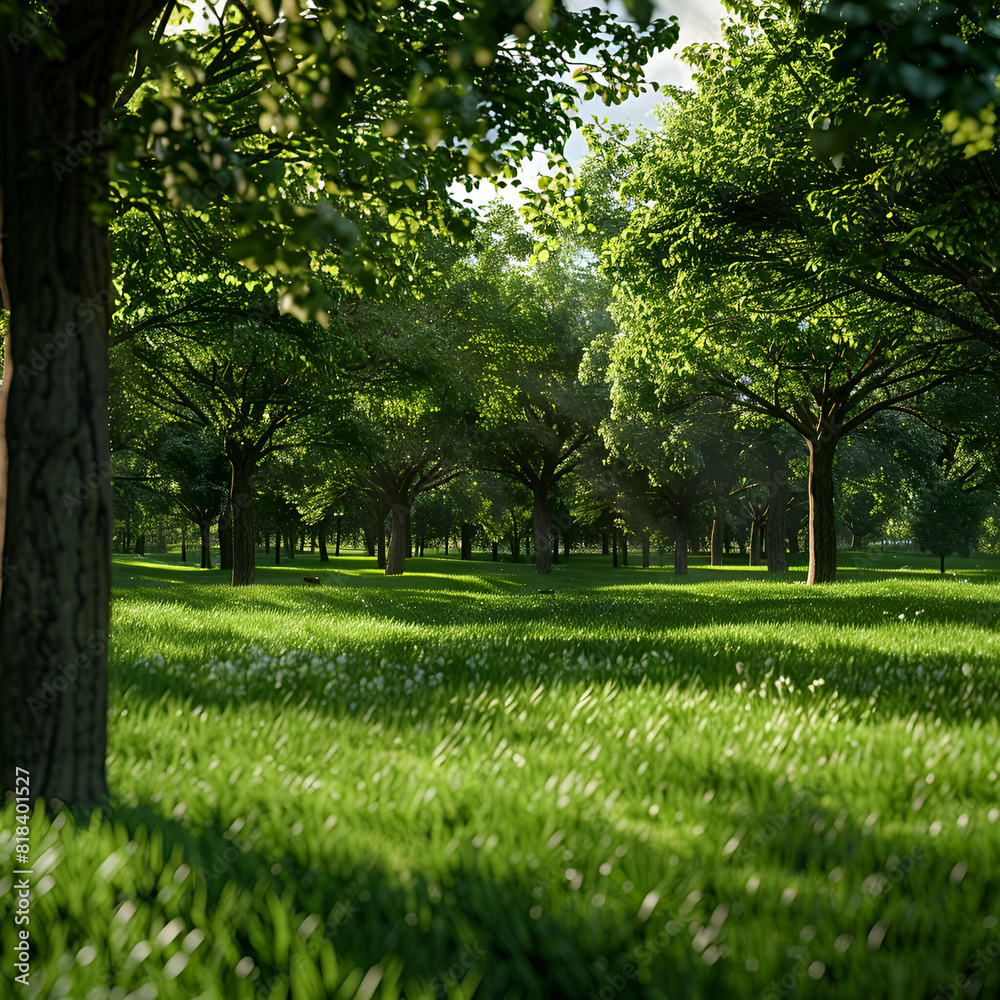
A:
x: 726, y: 784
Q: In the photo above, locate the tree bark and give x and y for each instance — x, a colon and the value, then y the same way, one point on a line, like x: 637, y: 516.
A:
x: 614, y: 549
x: 380, y: 533
x: 396, y: 559
x: 645, y: 550
x: 942, y: 562
x: 290, y: 544
x: 184, y: 540
x: 681, y: 551
x: 267, y: 541
x: 467, y: 530
x: 58, y: 520
x: 205, y: 528
x: 226, y: 539
x: 243, y: 537
x: 624, y: 549
x: 540, y: 530
x: 604, y: 543
x: 718, y: 531
x: 324, y: 556
x: 777, y: 505
x: 822, y: 522
x: 755, y: 536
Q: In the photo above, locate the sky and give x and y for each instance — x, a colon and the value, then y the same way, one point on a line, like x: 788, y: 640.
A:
x: 699, y: 22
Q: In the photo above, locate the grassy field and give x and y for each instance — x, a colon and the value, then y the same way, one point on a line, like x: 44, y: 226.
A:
x: 470, y: 781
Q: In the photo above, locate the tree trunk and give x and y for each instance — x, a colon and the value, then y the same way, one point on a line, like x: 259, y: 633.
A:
x: 777, y: 505
x: 515, y: 542
x: 540, y: 529
x: 604, y: 543
x: 140, y: 542
x: 624, y: 549
x: 290, y: 544
x: 555, y: 547
x: 755, y: 536
x: 645, y: 550
x: 336, y: 550
x: 822, y: 523
x: 267, y: 541
x: 324, y: 556
x: 226, y: 539
x: 206, y: 543
x: 396, y: 560
x: 718, y: 531
x: 467, y: 530
x: 681, y: 551
x: 496, y: 552
x: 942, y: 562
x: 614, y: 549
x: 566, y: 547
x: 161, y: 542
x: 380, y: 534
x: 243, y: 536
x: 184, y: 540
x: 58, y: 518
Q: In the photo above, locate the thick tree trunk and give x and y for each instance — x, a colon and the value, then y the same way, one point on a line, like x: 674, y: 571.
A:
x: 822, y: 522
x: 184, y: 540
x: 205, y: 528
x: 243, y: 536
x: 336, y: 550
x: 777, y: 505
x: 555, y: 547
x: 614, y: 549
x: 645, y: 550
x: 396, y: 559
x: 290, y: 544
x: 58, y: 520
x: 467, y: 531
x: 755, y: 537
x: 324, y: 556
x: 540, y: 530
x: 718, y: 531
x: 277, y: 546
x: 681, y: 551
x: 226, y: 539
x: 380, y: 533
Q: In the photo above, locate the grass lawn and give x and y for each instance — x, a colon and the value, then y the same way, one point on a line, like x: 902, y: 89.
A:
x: 471, y: 781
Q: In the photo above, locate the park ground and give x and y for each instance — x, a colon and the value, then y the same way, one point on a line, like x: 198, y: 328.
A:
x: 472, y: 781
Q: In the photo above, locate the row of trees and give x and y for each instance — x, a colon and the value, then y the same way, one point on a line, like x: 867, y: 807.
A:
x: 506, y: 384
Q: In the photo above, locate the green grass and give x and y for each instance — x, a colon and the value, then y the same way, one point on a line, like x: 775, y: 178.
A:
x: 452, y: 784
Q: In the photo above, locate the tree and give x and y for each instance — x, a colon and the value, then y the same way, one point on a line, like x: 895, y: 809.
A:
x: 220, y: 356
x: 736, y: 283
x: 65, y: 83
x: 528, y: 322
